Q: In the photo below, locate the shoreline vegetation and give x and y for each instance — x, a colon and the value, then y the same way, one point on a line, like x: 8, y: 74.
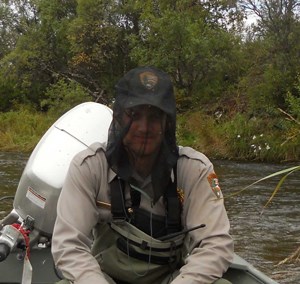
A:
x: 218, y: 135
x: 237, y: 84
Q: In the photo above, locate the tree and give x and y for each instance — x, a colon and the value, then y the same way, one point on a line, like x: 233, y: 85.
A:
x: 94, y: 42
x: 40, y: 53
x: 278, y: 31
x: 16, y: 18
x: 189, y: 40
x: 98, y: 47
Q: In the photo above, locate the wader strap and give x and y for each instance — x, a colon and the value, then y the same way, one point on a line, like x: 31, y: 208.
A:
x: 172, y: 203
x: 117, y: 190
x: 144, y: 241
x: 137, y: 244
x: 160, y: 260
x: 173, y: 206
x: 135, y: 198
x: 117, y: 199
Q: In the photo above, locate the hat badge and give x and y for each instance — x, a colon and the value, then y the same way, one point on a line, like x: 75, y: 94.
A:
x: 148, y: 80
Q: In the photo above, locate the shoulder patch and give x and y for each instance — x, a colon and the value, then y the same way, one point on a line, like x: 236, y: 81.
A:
x: 214, y: 184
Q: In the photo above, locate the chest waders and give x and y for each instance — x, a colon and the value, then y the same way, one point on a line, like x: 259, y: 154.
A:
x: 139, y: 246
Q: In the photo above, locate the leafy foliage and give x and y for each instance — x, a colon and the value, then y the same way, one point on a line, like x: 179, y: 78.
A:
x: 293, y: 101
x: 54, y: 54
x: 277, y: 38
x: 183, y: 40
x: 62, y: 96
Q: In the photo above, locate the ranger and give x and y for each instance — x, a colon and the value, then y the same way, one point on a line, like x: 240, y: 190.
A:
x: 139, y: 208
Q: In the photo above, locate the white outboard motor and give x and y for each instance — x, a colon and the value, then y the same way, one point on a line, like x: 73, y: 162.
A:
x: 42, y: 179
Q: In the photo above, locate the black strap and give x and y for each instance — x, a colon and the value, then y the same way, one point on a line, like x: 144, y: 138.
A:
x: 173, y: 206
x: 135, y: 198
x: 117, y: 191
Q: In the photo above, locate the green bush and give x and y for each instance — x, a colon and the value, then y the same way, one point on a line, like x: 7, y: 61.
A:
x: 200, y: 131
x: 293, y: 101
x: 62, y: 96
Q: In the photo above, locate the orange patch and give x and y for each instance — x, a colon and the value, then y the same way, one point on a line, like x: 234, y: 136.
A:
x: 148, y: 79
x: 214, y: 184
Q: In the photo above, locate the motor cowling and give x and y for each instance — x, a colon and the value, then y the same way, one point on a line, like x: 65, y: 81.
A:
x: 45, y: 171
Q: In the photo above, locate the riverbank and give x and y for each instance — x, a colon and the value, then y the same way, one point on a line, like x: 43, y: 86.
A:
x: 219, y: 136
x: 240, y: 136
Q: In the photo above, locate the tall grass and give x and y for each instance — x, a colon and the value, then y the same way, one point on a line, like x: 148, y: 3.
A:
x: 237, y: 137
x: 21, y: 130
x: 200, y: 131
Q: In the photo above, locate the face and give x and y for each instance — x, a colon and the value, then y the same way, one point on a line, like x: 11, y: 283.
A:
x: 147, y: 126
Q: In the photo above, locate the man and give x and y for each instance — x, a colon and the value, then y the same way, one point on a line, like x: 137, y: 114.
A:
x: 140, y: 209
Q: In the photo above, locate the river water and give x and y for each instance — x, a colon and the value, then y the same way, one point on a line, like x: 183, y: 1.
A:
x: 262, y: 238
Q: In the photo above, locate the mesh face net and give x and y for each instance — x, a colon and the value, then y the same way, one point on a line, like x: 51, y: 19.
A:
x: 120, y: 155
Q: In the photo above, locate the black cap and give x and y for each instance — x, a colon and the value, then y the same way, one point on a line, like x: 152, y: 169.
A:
x: 146, y: 86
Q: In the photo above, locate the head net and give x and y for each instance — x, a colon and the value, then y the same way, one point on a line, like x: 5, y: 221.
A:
x: 151, y: 87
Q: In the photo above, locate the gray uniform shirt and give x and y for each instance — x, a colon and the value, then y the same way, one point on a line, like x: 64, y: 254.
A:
x: 211, y: 248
